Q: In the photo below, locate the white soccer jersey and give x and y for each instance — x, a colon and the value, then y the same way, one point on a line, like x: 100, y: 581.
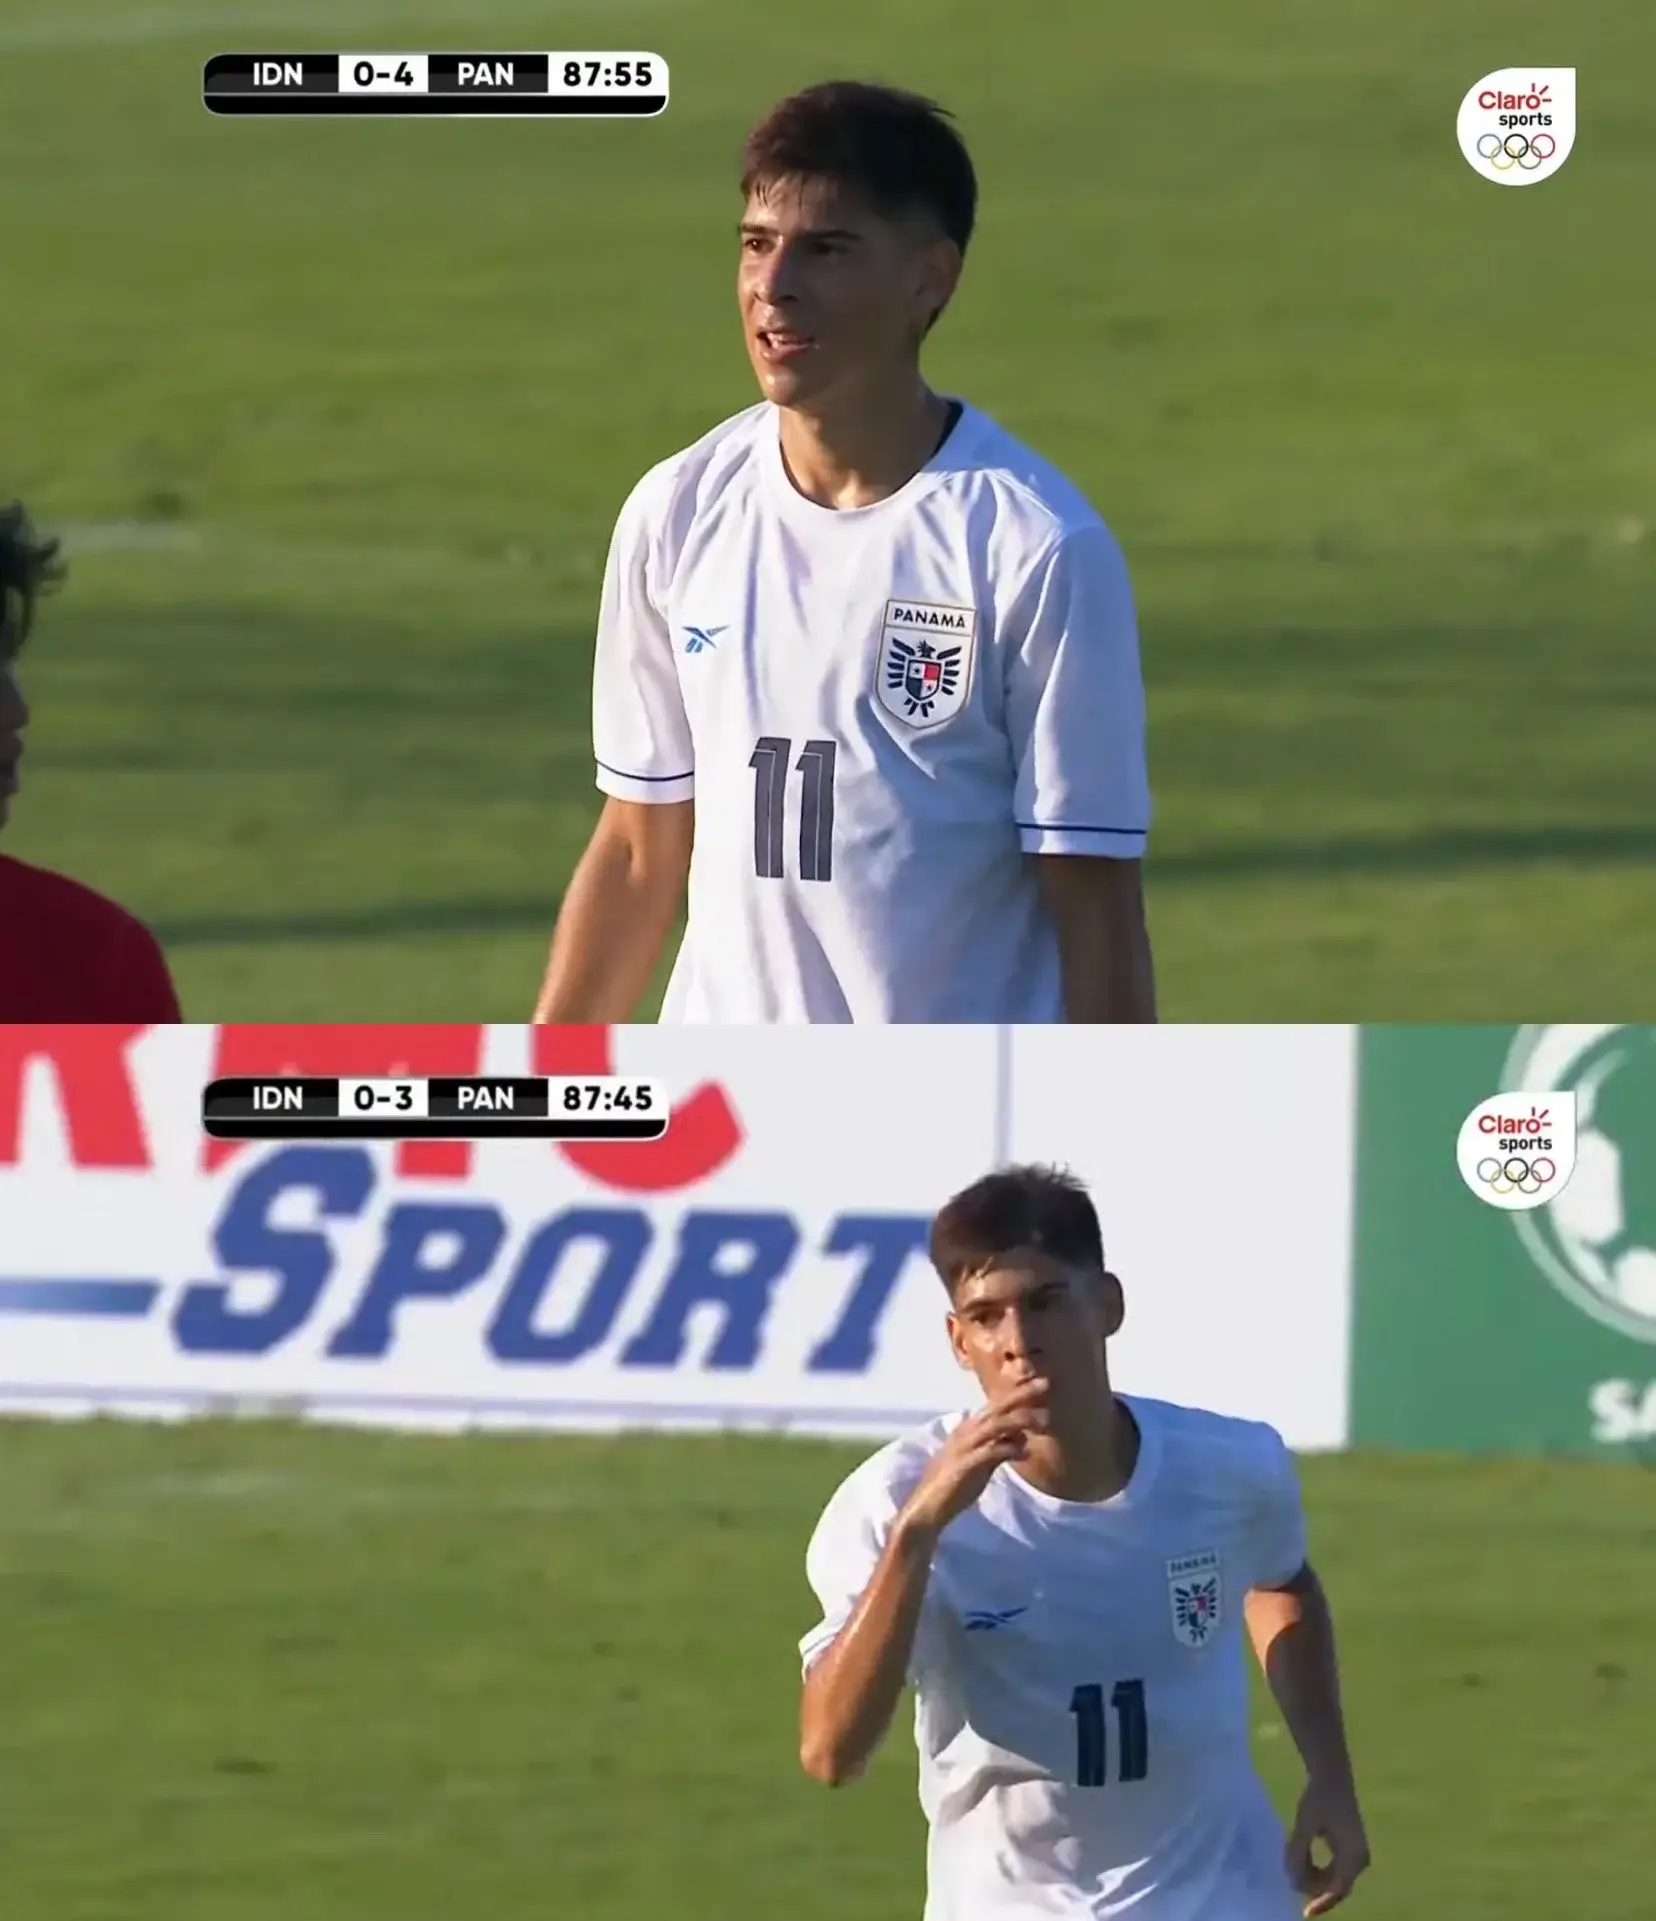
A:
x: 879, y: 711
x: 1081, y: 1676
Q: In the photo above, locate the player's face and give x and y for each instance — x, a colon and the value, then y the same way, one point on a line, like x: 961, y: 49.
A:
x: 14, y: 717
x: 832, y: 292
x: 1037, y: 1319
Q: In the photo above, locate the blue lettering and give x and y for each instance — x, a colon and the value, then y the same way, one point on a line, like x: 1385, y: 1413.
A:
x: 702, y: 1275
x: 887, y: 1240
x: 301, y: 1259
x: 624, y: 1237
x: 402, y: 1273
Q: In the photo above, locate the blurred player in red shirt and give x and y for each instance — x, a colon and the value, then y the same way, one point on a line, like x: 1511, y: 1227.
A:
x: 66, y: 953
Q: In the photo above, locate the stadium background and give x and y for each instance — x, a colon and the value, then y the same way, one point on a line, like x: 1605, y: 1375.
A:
x: 336, y: 418
x: 258, y: 1670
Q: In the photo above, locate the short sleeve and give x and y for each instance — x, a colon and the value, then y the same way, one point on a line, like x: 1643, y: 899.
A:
x: 134, y: 981
x: 1279, y: 1544
x: 1075, y: 704
x: 640, y: 733
x: 149, y: 986
x: 840, y: 1562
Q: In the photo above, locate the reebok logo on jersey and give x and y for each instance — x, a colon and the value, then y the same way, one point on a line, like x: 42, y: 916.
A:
x: 986, y: 1620
x: 923, y: 674
x: 701, y: 639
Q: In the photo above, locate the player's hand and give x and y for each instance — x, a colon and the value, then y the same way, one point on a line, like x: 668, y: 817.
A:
x: 1328, y: 1816
x: 965, y: 1464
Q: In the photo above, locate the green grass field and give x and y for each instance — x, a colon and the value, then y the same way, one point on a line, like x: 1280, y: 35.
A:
x: 253, y: 1673
x: 337, y: 418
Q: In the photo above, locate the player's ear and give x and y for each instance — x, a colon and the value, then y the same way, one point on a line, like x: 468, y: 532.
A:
x: 957, y: 1341
x: 939, y: 275
x: 1114, y: 1303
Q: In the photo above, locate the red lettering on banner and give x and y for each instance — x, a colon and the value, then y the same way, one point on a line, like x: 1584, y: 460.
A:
x: 95, y: 1091
x: 357, y: 1053
x: 703, y: 1134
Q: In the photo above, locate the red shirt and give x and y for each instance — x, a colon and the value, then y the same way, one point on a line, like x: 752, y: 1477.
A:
x: 67, y: 954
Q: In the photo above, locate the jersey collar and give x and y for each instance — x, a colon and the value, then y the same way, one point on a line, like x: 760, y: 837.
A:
x: 953, y: 456
x: 1130, y: 1498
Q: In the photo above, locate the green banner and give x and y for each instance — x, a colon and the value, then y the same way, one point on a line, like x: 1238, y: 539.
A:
x: 1479, y: 1329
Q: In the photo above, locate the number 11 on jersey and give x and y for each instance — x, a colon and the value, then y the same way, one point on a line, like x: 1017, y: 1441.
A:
x: 815, y: 768
x: 1132, y: 1735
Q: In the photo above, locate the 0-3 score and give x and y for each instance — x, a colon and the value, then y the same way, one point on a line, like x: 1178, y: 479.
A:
x: 397, y: 1098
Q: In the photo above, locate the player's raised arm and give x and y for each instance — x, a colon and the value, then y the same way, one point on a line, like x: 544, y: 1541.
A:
x: 857, y: 1663
x: 625, y: 894
x: 1075, y: 713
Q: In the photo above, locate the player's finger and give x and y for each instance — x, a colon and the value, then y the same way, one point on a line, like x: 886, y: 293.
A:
x: 1033, y: 1407
x: 1016, y: 1421
x: 1337, y: 1881
x: 1034, y: 1393
x: 1319, y: 1883
x: 1315, y: 1893
x: 1303, y: 1871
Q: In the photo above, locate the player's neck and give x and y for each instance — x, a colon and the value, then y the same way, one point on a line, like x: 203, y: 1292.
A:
x: 1088, y: 1460
x: 865, y: 449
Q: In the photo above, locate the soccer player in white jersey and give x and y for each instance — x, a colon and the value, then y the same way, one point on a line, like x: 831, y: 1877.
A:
x: 1069, y: 1577
x: 867, y: 673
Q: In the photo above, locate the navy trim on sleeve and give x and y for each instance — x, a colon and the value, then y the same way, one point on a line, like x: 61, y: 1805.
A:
x: 622, y: 774
x: 1067, y: 827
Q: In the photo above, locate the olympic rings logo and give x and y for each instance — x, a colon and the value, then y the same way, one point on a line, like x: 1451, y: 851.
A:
x: 1515, y: 150
x: 1515, y: 1175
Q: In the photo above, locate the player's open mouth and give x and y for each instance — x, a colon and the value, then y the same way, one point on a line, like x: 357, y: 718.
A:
x: 783, y: 346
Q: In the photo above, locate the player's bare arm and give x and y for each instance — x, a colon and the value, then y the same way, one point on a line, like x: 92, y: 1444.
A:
x: 1103, y: 941
x: 622, y: 901
x: 1292, y: 1630
x: 852, y: 1691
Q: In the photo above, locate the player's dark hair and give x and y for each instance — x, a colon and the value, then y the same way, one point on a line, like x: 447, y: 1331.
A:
x: 1015, y: 1210
x: 898, y: 150
x: 29, y: 567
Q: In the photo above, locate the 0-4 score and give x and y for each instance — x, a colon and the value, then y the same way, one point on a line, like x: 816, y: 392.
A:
x: 365, y: 74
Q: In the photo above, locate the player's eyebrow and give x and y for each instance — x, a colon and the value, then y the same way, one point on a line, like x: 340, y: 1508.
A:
x: 757, y: 230
x: 974, y: 1306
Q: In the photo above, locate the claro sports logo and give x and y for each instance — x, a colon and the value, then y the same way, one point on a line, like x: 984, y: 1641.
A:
x: 1517, y: 126
x: 1517, y: 1151
x: 142, y: 1263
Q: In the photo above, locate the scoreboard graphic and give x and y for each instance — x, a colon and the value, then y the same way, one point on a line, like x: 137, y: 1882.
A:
x: 445, y: 1108
x: 499, y: 85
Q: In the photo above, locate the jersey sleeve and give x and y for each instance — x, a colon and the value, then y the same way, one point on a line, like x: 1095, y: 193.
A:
x: 840, y: 1562
x: 640, y: 733
x: 153, y: 987
x: 1075, y: 704
x: 1279, y: 1543
x: 136, y: 985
